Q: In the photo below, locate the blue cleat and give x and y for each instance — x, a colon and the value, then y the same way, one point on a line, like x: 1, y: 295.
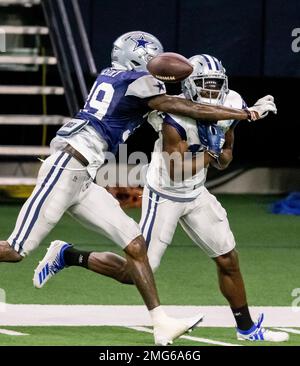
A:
x: 51, y: 264
x: 258, y: 333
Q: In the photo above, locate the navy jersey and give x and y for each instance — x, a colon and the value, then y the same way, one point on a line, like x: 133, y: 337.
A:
x: 117, y: 103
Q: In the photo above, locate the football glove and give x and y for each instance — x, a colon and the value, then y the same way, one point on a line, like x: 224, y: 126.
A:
x: 156, y: 120
x: 262, y: 107
x: 212, y: 138
x: 202, y: 133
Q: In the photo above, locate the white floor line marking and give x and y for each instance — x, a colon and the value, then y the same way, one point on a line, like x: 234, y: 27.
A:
x: 12, y: 332
x: 134, y: 315
x: 195, y: 339
x: 289, y: 330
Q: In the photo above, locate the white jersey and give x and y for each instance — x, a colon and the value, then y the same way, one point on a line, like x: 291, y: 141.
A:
x: 157, y: 177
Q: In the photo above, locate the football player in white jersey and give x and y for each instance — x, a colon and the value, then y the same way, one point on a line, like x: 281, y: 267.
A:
x: 167, y: 202
x: 119, y: 99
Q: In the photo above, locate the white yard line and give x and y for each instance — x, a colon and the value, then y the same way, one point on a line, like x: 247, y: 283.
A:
x: 12, y: 332
x: 289, y: 330
x: 134, y: 315
x: 190, y: 338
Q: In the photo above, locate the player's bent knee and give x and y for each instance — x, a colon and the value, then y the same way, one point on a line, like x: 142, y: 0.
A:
x: 17, y: 258
x: 228, y: 263
x: 8, y: 254
x: 137, y: 248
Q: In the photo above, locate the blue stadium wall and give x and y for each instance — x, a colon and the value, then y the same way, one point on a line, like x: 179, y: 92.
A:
x: 253, y: 38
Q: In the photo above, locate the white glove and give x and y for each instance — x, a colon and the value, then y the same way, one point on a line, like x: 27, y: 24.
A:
x: 262, y: 107
x: 155, y: 120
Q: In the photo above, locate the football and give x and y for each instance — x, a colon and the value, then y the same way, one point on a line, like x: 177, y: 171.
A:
x: 170, y: 67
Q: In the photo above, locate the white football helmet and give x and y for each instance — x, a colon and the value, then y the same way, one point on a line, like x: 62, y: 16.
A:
x: 208, y: 82
x: 133, y: 50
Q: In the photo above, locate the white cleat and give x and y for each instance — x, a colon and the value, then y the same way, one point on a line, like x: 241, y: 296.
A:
x: 170, y: 328
x: 51, y: 264
x: 258, y: 333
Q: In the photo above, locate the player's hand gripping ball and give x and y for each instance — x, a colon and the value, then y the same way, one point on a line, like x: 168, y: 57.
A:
x: 170, y: 67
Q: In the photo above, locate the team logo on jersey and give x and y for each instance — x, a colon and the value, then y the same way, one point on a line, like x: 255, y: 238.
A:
x: 160, y: 86
x: 140, y: 42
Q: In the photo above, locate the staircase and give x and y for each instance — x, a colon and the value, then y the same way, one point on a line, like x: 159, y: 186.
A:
x: 44, y: 77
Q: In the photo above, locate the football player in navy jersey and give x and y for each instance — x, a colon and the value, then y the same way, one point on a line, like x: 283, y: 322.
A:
x: 117, y: 104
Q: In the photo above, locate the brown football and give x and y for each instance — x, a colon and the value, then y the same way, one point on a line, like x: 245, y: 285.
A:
x: 170, y: 67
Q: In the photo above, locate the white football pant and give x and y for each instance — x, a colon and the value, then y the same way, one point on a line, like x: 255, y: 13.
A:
x: 63, y: 184
x: 203, y: 219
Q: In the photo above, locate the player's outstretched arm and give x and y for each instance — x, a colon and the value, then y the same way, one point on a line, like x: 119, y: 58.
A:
x: 184, y: 107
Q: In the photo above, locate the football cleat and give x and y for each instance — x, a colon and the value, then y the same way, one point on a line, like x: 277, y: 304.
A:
x: 258, y: 333
x: 51, y: 264
x: 170, y: 328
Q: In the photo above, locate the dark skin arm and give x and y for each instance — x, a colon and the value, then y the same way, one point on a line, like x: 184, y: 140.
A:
x: 173, y: 143
x: 184, y: 107
x: 226, y: 157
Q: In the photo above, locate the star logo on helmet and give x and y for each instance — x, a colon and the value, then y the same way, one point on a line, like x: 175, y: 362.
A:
x: 140, y: 42
x: 160, y: 86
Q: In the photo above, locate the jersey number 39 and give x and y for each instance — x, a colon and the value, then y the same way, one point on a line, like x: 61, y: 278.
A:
x: 100, y: 98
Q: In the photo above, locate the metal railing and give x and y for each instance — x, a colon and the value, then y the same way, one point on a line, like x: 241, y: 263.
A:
x: 71, y: 48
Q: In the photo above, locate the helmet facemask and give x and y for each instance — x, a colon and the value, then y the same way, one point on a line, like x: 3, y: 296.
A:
x: 210, y: 89
x: 208, y: 82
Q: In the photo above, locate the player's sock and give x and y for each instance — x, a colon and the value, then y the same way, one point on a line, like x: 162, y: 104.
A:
x: 242, y: 317
x: 74, y: 257
x: 157, y: 314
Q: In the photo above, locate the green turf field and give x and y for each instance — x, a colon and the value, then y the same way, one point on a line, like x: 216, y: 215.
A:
x: 269, y: 251
x: 117, y: 336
